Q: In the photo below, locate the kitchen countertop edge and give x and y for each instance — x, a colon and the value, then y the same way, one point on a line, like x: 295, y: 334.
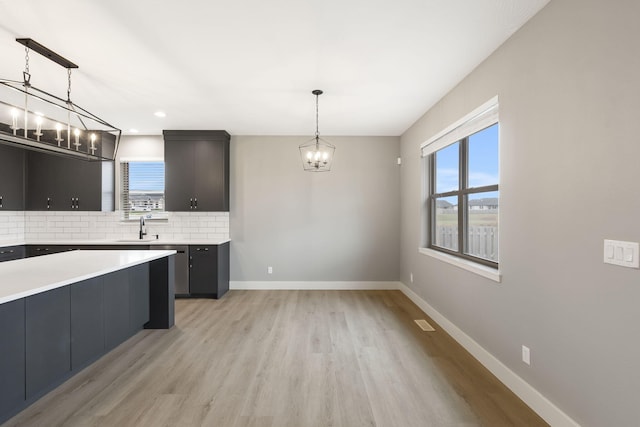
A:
x: 30, y: 276
x: 117, y: 242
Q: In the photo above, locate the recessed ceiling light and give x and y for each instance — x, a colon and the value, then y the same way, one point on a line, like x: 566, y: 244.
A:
x: 160, y: 114
x: 133, y: 130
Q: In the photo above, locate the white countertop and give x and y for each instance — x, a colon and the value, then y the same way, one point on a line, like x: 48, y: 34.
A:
x: 124, y: 242
x: 24, y: 277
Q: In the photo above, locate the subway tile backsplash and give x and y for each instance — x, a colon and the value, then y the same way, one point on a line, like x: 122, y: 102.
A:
x: 36, y: 226
x: 11, y: 227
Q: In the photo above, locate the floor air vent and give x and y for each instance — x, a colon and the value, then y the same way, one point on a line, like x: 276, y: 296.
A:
x: 424, y: 325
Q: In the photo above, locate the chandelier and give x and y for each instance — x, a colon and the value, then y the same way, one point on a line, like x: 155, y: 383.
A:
x: 37, y: 120
x: 317, y: 154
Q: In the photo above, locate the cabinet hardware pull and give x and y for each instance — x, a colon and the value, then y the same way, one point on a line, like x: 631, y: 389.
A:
x: 196, y: 201
x: 48, y: 202
x: 0, y: 201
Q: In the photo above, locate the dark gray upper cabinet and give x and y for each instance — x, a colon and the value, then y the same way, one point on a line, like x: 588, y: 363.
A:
x: 12, y: 167
x: 196, y: 170
x: 62, y: 184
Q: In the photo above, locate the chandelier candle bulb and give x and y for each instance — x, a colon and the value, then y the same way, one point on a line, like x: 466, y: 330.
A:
x: 14, y: 120
x: 76, y: 133
x: 38, y: 127
x: 58, y: 129
x: 93, y: 143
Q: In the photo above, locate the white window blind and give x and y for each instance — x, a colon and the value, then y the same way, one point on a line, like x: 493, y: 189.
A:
x: 142, y: 185
x: 480, y: 118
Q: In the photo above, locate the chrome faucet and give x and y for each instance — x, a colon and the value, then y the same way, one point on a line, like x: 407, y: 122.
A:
x: 143, y: 228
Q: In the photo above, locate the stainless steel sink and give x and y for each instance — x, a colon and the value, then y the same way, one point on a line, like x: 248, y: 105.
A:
x: 135, y: 240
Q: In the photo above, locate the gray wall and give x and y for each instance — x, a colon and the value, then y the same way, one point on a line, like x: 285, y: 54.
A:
x: 569, y: 89
x: 343, y: 225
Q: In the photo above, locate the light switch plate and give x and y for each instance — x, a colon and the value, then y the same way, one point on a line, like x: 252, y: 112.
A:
x: 624, y: 254
x: 526, y: 355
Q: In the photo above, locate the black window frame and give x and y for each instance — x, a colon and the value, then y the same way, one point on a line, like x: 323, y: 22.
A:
x: 462, y: 194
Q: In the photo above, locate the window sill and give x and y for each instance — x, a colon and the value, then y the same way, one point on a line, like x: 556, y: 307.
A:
x: 482, y: 270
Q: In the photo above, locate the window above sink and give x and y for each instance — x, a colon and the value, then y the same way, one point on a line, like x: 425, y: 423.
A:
x: 142, y: 190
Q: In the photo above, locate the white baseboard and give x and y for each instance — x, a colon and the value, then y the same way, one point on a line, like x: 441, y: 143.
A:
x: 295, y: 285
x: 532, y: 397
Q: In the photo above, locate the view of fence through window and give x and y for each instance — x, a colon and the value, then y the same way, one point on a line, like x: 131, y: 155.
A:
x: 476, y: 194
x: 482, y: 227
x: 143, y: 189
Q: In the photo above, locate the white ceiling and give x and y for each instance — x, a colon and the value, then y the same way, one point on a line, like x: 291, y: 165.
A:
x: 248, y: 66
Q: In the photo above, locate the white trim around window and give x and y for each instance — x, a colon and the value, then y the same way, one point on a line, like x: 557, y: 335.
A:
x: 473, y: 267
x: 480, y: 118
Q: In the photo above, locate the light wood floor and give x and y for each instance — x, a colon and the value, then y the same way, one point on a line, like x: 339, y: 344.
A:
x: 286, y: 358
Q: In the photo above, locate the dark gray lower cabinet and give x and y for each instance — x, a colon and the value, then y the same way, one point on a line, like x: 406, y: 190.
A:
x: 12, y: 369
x: 10, y: 253
x: 48, y: 337
x: 116, y: 308
x: 87, y: 325
x: 209, y: 270
x: 138, y: 297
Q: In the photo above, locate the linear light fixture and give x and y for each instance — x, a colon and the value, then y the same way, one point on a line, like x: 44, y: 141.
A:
x: 34, y: 119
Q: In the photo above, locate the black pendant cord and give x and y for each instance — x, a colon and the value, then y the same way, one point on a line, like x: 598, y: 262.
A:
x: 317, y: 93
x: 317, y: 117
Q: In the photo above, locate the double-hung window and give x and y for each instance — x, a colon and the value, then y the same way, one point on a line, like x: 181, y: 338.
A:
x: 463, y: 195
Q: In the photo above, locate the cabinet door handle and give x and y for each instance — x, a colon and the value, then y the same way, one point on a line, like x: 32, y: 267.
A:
x: 48, y: 202
x: 202, y: 249
x: 6, y: 252
x: 0, y: 201
x: 77, y: 203
x: 190, y: 203
x: 196, y: 202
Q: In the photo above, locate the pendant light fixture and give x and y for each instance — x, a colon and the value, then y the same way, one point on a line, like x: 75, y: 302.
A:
x: 34, y: 119
x: 317, y: 154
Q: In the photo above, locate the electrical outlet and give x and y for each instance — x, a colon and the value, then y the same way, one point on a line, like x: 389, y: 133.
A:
x: 526, y: 355
x: 411, y: 277
x: 270, y: 270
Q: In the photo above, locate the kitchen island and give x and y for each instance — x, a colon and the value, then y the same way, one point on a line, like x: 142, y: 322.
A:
x: 61, y: 312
